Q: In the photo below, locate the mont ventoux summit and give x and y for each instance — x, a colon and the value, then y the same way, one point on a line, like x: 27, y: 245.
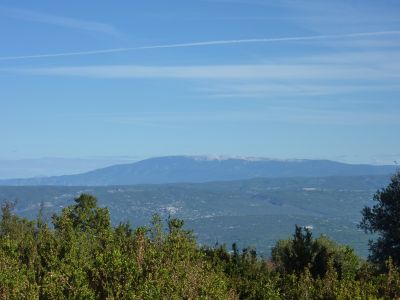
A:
x: 174, y: 169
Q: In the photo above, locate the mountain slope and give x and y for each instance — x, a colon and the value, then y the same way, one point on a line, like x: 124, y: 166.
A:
x: 202, y: 169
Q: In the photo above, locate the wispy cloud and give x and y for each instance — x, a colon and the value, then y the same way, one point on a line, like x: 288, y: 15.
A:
x: 310, y: 71
x: 337, y: 73
x: 61, y: 21
x: 275, y: 114
x: 332, y: 16
x: 213, y: 43
x: 293, y: 90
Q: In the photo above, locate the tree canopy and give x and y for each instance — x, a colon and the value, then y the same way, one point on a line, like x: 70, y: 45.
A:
x: 317, y: 255
x: 383, y: 219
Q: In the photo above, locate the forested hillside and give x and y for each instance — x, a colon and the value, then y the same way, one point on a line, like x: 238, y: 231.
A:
x: 227, y: 212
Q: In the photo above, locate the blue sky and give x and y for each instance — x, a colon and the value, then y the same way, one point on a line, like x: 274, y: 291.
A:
x: 280, y: 79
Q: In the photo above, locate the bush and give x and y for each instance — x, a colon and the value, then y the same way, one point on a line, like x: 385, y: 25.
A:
x: 83, y: 257
x: 303, y: 252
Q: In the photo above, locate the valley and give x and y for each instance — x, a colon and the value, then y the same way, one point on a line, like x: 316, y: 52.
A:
x: 254, y: 212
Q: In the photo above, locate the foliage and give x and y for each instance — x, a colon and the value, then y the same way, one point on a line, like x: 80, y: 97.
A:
x: 384, y: 219
x: 81, y: 256
x: 303, y: 252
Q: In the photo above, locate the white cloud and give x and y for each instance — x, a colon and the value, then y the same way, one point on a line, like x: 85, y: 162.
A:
x: 269, y: 90
x: 305, y: 76
x: 311, y: 71
x: 61, y: 21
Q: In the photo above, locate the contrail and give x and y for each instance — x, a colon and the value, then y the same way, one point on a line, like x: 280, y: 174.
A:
x: 207, y: 43
x: 91, y: 52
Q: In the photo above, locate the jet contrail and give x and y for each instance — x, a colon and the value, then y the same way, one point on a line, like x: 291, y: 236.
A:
x: 207, y: 43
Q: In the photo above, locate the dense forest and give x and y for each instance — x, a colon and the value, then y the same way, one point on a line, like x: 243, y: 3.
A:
x: 80, y: 255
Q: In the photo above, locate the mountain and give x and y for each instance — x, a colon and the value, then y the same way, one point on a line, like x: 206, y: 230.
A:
x: 172, y: 169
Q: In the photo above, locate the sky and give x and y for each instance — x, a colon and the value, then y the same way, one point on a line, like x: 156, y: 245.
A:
x: 279, y: 79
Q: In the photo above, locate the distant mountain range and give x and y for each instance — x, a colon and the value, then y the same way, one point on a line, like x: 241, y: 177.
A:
x: 171, y: 169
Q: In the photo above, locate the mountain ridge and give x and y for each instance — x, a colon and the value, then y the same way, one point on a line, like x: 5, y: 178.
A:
x: 170, y: 169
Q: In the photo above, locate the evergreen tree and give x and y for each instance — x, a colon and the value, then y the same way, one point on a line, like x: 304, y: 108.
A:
x: 302, y: 252
x: 383, y: 219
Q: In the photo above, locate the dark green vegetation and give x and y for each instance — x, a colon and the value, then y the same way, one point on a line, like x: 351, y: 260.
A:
x: 384, y: 219
x: 81, y: 256
x: 228, y: 212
